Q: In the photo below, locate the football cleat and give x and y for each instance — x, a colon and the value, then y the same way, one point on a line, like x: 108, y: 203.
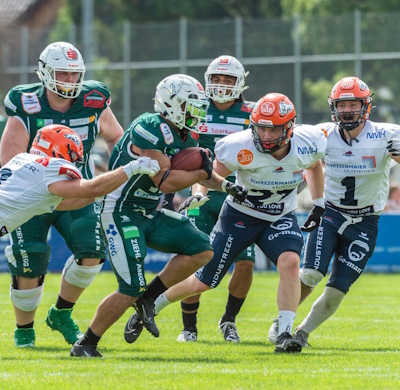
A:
x: 301, y: 337
x: 61, y: 321
x: 145, y: 309
x: 133, y: 328
x: 285, y: 343
x: 24, y: 337
x: 229, y: 331
x: 273, y: 331
x: 187, y: 336
x: 85, y: 350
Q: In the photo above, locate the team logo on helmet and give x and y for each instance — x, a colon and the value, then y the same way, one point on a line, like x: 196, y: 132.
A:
x: 73, y: 137
x: 347, y: 83
x: 175, y: 86
x: 267, y: 108
x: 284, y: 108
x: 72, y: 54
x: 362, y: 85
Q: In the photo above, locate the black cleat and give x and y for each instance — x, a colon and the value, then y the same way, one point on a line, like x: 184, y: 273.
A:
x: 285, y: 343
x: 145, y: 309
x: 133, y: 328
x: 85, y: 350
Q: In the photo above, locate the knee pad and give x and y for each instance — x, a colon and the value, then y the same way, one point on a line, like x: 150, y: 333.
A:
x: 310, y: 277
x: 79, y: 275
x: 26, y: 300
x: 29, y: 259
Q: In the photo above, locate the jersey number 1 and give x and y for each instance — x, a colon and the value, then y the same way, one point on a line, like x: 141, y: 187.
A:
x: 350, y: 183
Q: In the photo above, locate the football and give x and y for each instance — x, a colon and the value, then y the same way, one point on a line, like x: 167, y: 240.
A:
x: 188, y: 159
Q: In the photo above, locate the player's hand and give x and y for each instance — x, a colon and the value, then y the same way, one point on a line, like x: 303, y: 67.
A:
x: 238, y: 192
x: 314, y: 219
x: 393, y: 146
x: 207, y: 163
x: 194, y: 201
x: 144, y: 166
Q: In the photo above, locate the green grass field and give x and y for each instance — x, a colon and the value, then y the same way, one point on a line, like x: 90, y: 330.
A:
x: 358, y: 348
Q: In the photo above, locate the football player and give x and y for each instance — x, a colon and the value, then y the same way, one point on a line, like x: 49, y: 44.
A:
x: 61, y: 97
x: 228, y: 113
x: 130, y: 217
x: 358, y: 159
x: 269, y: 159
x: 37, y: 182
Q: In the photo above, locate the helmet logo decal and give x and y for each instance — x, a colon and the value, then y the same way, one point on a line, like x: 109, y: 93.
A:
x: 72, y: 54
x: 245, y: 157
x: 175, y: 87
x: 73, y: 137
x: 267, y: 108
x: 347, y: 83
x: 362, y: 85
x: 224, y: 60
x: 284, y: 108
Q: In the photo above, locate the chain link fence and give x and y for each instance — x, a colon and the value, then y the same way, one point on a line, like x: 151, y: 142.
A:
x: 300, y: 57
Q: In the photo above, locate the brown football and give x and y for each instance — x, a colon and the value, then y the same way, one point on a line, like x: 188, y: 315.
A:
x: 188, y: 159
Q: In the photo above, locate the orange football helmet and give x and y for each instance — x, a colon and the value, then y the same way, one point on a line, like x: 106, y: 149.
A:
x: 273, y: 110
x: 350, y: 88
x: 58, y: 141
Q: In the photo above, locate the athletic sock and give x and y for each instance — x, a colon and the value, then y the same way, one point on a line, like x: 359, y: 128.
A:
x: 26, y: 326
x: 232, y: 308
x: 63, y: 304
x: 155, y: 288
x: 286, y: 320
x: 90, y: 338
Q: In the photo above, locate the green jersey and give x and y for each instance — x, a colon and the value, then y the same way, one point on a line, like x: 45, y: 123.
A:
x: 148, y: 131
x: 29, y: 104
x: 222, y: 123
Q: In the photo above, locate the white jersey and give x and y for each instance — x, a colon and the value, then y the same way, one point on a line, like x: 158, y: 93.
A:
x: 272, y: 184
x: 357, y: 176
x: 24, y: 193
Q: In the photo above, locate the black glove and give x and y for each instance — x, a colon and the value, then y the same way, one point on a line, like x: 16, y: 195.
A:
x: 238, y: 192
x: 207, y: 163
x: 194, y: 201
x: 393, y: 146
x: 314, y: 219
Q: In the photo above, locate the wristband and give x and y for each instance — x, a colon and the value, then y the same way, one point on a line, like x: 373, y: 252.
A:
x: 319, y: 202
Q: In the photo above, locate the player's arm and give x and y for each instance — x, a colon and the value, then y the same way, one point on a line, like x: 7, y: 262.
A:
x: 168, y: 180
x: 110, y: 129
x: 315, y: 181
x: 217, y: 182
x: 74, y: 203
x: 104, y: 183
x: 15, y: 139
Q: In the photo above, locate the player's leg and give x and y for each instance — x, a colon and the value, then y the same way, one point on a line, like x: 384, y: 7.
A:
x: 82, y: 232
x: 28, y: 258
x: 127, y: 250
x: 321, y: 244
x: 355, y: 248
x: 239, y: 286
x: 204, y: 218
x: 282, y: 242
x: 171, y: 232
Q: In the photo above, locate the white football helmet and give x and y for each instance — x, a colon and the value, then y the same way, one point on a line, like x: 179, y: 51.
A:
x: 225, y: 65
x: 180, y: 98
x: 61, y: 57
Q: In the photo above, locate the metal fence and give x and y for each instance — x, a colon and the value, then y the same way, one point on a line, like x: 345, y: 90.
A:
x: 301, y: 57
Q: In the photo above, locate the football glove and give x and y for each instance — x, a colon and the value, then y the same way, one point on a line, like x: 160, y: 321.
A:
x: 238, y: 192
x: 143, y: 166
x: 314, y: 219
x: 393, y: 146
x: 194, y: 201
x: 207, y: 163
